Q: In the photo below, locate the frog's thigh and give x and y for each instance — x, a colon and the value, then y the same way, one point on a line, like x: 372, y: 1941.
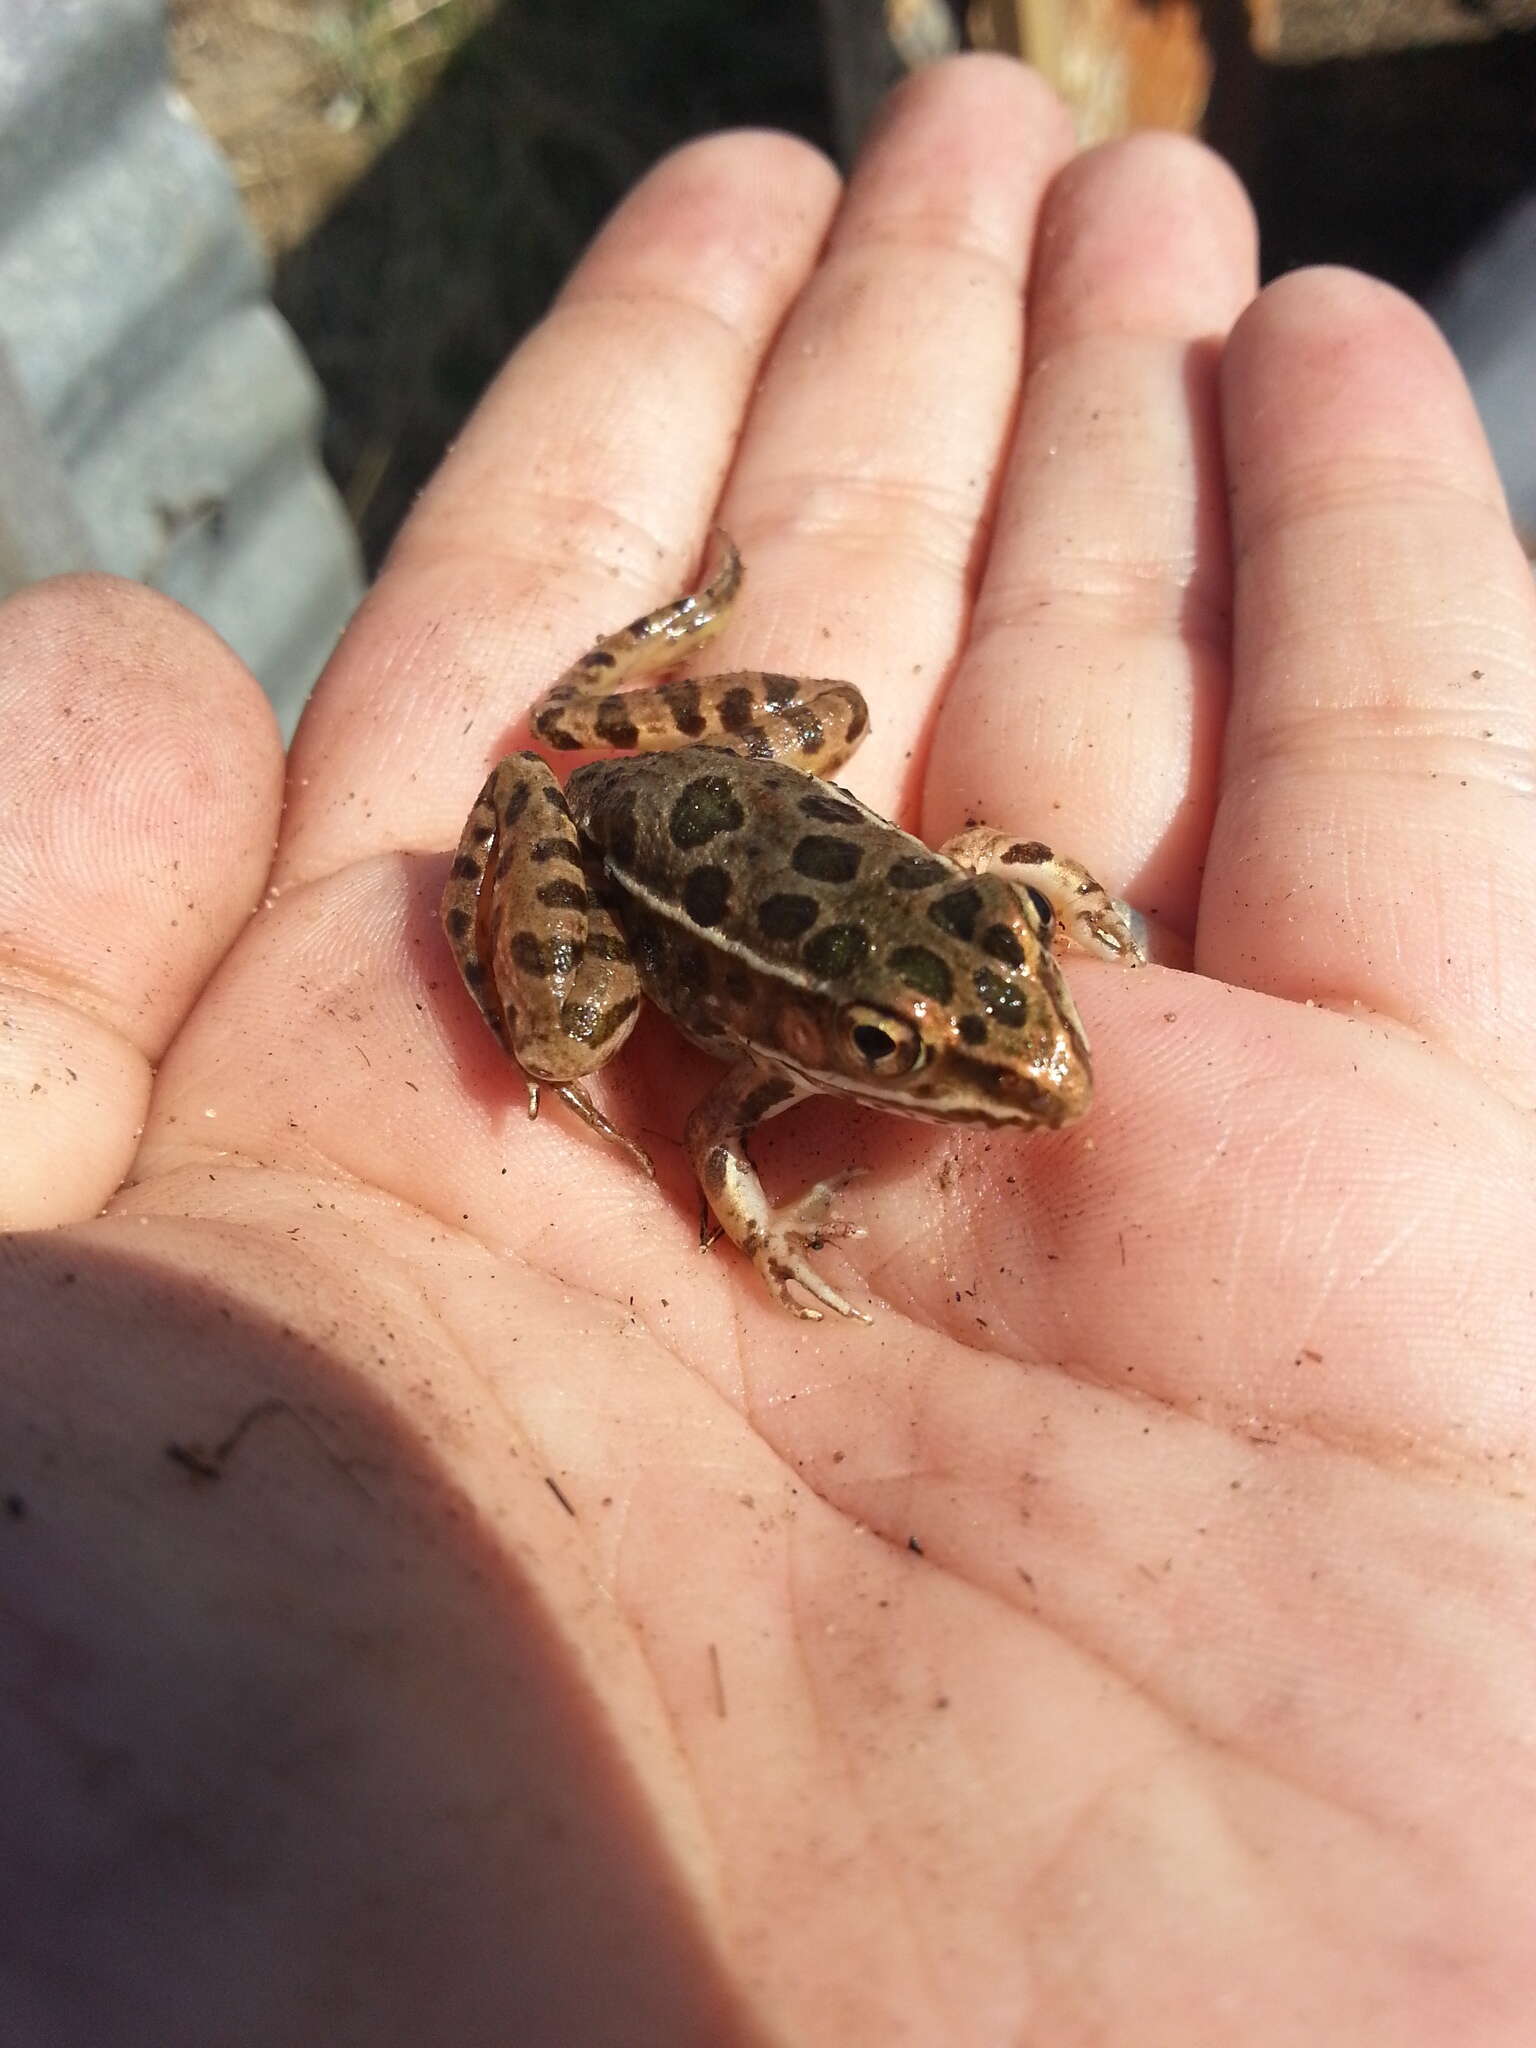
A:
x: 559, y: 963
x: 1083, y: 907
x: 546, y: 964
x: 776, y: 1240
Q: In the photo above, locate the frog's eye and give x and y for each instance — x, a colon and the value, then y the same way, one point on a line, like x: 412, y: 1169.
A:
x: 1043, y: 911
x: 880, y: 1042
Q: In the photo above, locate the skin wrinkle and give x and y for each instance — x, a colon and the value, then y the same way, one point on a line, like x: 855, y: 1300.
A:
x: 828, y: 1724
x: 1137, y: 602
x: 1191, y: 1733
x: 72, y: 994
x: 621, y: 547
x: 1193, y: 1730
x: 1317, y: 490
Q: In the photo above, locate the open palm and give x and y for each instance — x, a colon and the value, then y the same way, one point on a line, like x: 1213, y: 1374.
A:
x: 442, y: 1605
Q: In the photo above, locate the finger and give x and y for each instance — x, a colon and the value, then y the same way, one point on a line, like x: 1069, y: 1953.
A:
x: 577, y: 496
x: 141, y: 774
x: 869, y: 456
x: 1098, y: 663
x: 1374, y: 843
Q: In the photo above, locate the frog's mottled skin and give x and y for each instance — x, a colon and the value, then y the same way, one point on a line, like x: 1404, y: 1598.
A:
x: 780, y: 922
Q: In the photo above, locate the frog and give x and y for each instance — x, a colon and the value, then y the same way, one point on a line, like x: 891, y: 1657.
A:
x: 781, y: 923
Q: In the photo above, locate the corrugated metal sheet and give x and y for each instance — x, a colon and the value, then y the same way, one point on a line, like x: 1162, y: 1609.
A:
x: 156, y: 417
x: 1487, y: 309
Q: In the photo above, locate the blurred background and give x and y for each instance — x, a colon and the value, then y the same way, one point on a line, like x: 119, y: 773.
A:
x: 417, y: 176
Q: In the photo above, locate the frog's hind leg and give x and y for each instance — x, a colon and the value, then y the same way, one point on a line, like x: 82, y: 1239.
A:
x: 814, y: 725
x: 574, y: 710
x: 1084, y: 908
x: 544, y: 960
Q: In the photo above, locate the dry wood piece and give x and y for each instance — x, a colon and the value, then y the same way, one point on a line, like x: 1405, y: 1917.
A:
x: 1118, y: 64
x: 1307, y: 31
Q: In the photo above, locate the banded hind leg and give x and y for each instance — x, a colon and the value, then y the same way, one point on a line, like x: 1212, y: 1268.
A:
x: 547, y: 966
x: 811, y: 724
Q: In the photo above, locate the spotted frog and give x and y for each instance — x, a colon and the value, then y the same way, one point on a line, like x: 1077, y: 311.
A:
x: 782, y: 924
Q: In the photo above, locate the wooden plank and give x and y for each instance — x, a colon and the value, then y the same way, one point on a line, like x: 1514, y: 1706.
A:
x: 1119, y: 64
x: 1309, y: 31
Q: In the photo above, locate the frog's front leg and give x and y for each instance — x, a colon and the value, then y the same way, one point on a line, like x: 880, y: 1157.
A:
x: 1083, y: 908
x: 775, y: 1240
x: 545, y: 962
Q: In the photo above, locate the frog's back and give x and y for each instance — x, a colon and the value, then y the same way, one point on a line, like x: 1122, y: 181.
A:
x: 793, y: 876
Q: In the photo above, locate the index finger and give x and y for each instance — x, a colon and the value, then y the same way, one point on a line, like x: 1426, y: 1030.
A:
x: 578, y: 491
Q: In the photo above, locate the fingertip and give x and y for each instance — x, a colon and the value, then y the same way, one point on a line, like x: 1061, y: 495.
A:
x: 1152, y: 233
x: 1330, y: 311
x: 1329, y: 366
x: 140, y: 784
x: 711, y: 219
x: 93, y: 632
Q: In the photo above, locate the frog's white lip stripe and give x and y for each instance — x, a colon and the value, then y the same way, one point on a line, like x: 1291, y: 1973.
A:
x: 979, y: 1109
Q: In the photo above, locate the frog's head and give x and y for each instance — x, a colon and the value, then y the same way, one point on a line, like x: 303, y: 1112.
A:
x: 966, y: 1020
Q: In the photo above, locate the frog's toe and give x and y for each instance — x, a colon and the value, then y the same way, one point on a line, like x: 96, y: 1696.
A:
x: 804, y: 1226
x: 1115, y: 932
x: 783, y: 1266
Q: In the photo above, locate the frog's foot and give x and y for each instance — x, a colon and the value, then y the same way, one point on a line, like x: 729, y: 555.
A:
x: 1067, y: 895
x: 1113, y: 930
x: 577, y: 1098
x: 777, y: 1247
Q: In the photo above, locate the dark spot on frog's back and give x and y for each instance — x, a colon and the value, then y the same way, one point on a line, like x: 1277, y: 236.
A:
x: 703, y: 809
x: 822, y: 858
x: 1000, y: 1000
x: 1027, y: 853
x: 837, y: 951
x: 973, y: 1030
x: 707, y: 895
x: 918, y: 871
x: 958, y: 911
x: 924, y: 971
x: 458, y: 923
x: 465, y: 868
x: 612, y: 823
x: 786, y: 917
x: 831, y: 810
x: 1003, y: 945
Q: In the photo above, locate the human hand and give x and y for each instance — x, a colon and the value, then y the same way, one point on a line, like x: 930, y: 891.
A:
x: 448, y: 1608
